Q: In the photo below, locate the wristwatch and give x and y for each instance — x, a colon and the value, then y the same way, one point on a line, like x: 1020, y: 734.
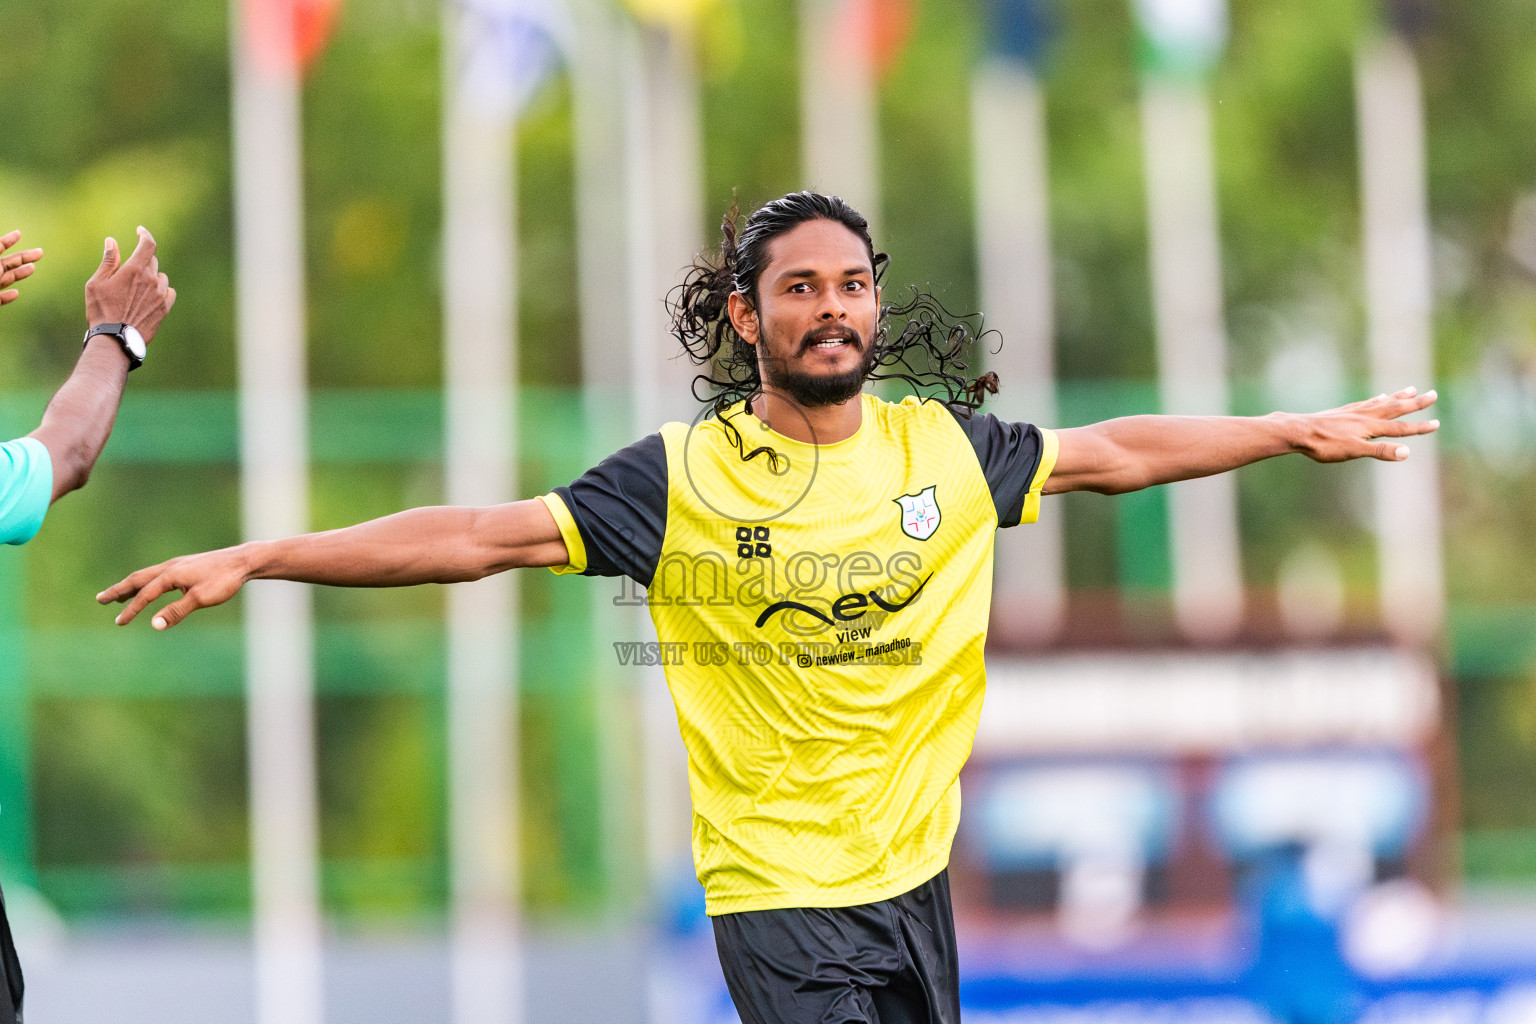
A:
x: 128, y: 337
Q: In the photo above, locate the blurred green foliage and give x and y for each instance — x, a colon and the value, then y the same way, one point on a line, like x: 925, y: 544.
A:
x: 116, y: 113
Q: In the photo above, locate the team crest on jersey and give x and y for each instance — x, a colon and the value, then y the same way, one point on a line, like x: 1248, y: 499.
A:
x: 919, y: 513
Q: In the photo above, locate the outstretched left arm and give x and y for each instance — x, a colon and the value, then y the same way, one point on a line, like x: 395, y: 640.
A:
x: 1133, y: 452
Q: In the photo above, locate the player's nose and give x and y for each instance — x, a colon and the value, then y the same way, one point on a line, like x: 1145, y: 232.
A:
x: 832, y: 309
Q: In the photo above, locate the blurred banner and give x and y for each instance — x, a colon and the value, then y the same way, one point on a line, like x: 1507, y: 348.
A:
x: 1181, y: 42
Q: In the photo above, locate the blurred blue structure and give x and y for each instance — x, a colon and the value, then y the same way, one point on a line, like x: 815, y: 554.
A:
x: 1298, y: 971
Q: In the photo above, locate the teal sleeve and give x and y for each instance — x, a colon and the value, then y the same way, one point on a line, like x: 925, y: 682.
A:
x: 26, y: 488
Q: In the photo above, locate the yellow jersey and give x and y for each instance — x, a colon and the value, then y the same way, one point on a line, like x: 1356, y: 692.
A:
x: 822, y: 611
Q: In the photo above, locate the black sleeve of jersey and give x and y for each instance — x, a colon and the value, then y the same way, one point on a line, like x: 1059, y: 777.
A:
x: 620, y: 507
x: 1009, y: 454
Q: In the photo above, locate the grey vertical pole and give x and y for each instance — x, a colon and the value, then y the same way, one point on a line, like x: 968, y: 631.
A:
x: 1013, y: 238
x: 1399, y: 294
x: 839, y: 111
x: 274, y: 499
x: 479, y: 346
x: 1186, y: 37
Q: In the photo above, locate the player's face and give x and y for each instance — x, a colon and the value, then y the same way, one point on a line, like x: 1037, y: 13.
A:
x: 817, y: 313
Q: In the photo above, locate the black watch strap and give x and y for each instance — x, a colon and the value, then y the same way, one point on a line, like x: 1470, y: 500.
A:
x: 116, y: 331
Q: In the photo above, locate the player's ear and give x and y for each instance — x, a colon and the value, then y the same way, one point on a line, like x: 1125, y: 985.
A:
x: 743, y: 317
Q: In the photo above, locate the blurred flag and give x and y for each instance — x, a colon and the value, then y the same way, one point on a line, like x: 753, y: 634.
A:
x: 508, y: 48
x: 1020, y: 29
x: 675, y: 13
x: 880, y: 27
x: 1182, y: 37
x: 288, y: 34
x: 1411, y: 17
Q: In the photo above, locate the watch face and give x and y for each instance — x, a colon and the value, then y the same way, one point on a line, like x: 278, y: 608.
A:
x: 135, y: 341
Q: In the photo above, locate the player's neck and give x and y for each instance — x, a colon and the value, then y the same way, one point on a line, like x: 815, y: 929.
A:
x: 822, y: 424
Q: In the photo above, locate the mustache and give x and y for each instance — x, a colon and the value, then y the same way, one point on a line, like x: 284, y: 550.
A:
x: 835, y: 331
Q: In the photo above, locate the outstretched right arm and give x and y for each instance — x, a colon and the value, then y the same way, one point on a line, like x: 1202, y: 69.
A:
x: 423, y: 545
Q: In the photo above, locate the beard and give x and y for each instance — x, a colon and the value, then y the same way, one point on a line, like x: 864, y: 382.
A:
x: 813, y: 390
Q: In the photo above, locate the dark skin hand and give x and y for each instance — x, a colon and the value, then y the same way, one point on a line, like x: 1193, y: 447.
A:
x: 15, y: 266
x: 817, y: 296
x: 79, y: 419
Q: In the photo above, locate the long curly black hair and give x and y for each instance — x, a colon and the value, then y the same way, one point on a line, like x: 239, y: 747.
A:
x: 929, y: 350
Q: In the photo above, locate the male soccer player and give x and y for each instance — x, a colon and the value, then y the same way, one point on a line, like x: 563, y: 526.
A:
x: 821, y: 563
x: 124, y: 304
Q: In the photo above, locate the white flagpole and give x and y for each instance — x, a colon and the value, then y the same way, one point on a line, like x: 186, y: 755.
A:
x: 1191, y: 347
x: 1013, y: 236
x: 479, y: 292
x: 1399, y: 293
x: 608, y: 370
x: 664, y: 170
x: 1186, y: 38
x: 274, y: 449
x: 670, y: 230
x: 599, y: 95
x: 839, y: 115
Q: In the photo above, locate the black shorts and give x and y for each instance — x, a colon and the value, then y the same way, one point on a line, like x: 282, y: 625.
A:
x: 891, y: 962
x: 10, y: 973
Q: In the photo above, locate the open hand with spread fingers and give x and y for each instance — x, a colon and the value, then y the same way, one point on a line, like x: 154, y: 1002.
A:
x: 204, y: 580
x: 15, y: 266
x: 1358, y: 430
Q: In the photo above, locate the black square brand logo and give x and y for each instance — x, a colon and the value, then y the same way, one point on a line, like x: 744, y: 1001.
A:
x: 752, y: 542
